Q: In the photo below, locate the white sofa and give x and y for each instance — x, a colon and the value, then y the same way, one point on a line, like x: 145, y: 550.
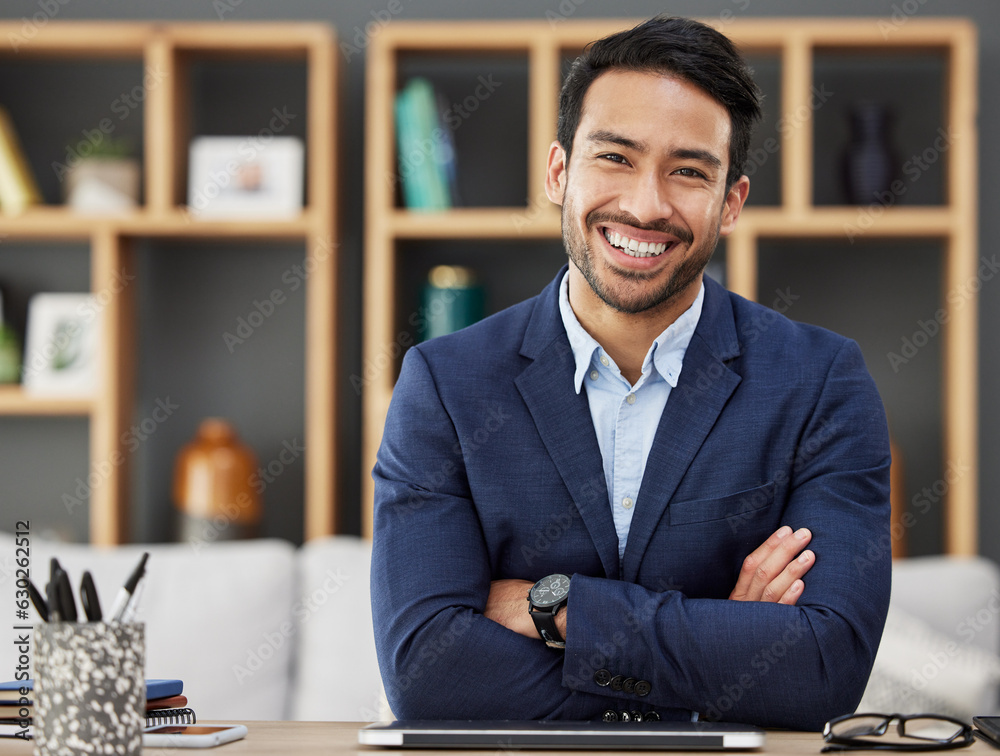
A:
x: 261, y: 630
x: 256, y: 629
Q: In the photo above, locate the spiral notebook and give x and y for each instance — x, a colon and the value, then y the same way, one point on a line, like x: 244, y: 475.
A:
x: 157, y: 717
x: 556, y: 735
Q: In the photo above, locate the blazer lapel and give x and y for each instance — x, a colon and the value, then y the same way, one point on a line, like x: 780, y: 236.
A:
x: 704, y: 387
x: 563, y: 420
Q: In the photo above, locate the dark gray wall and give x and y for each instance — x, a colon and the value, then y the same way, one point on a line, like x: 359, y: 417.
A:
x: 890, y: 287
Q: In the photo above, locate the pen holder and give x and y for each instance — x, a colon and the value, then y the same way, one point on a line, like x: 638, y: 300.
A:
x: 90, y: 689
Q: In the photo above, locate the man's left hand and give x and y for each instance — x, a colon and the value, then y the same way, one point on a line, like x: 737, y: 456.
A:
x: 508, y: 605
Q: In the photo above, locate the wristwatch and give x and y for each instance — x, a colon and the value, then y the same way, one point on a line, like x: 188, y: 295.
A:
x: 545, y: 598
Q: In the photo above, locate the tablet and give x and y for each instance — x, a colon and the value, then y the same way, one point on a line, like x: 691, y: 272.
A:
x: 570, y: 735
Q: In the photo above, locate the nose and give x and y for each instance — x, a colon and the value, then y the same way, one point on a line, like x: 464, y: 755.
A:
x: 647, y: 198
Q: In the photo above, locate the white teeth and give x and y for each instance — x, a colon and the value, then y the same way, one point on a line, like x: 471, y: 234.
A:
x: 633, y: 247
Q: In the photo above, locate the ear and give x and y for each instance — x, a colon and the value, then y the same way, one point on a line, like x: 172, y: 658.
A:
x: 735, y: 198
x: 555, y: 173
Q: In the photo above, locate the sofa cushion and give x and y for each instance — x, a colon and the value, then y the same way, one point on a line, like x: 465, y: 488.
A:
x: 216, y: 616
x: 336, y: 674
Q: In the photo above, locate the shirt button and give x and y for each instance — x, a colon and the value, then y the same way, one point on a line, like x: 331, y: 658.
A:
x: 627, y: 502
x: 604, y: 360
x: 593, y: 375
x: 630, y: 398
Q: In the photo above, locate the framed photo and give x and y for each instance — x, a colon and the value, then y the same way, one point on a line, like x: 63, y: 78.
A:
x: 61, y: 354
x: 246, y: 177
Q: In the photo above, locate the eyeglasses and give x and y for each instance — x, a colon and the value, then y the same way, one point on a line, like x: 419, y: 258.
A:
x: 914, y: 732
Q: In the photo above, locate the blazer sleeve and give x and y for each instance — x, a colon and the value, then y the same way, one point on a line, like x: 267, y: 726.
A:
x: 440, y: 658
x: 767, y: 664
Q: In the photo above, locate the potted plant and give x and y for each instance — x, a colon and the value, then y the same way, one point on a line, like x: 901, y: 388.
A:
x: 106, y: 180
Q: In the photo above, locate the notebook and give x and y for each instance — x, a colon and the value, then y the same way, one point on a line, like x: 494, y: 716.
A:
x: 570, y: 735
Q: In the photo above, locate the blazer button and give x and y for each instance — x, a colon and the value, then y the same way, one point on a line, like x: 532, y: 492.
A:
x: 616, y: 682
x: 642, y: 688
x: 602, y: 677
x: 610, y: 715
x: 624, y: 716
x: 636, y: 716
x: 651, y: 716
x: 628, y: 684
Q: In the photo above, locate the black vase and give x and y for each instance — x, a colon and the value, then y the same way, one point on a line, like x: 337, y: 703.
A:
x: 870, y: 163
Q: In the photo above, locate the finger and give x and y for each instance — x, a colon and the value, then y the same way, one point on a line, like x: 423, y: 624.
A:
x: 750, y: 565
x: 777, y: 589
x: 774, y: 563
x: 792, y: 594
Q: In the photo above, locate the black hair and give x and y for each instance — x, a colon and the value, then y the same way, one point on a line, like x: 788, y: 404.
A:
x: 681, y: 47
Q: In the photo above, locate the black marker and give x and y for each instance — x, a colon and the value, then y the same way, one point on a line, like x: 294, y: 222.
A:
x: 88, y: 597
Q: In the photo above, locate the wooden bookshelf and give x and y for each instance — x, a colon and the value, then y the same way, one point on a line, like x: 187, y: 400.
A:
x: 795, y: 43
x: 170, y: 49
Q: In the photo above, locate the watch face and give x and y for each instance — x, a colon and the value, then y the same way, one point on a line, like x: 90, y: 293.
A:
x: 550, y: 590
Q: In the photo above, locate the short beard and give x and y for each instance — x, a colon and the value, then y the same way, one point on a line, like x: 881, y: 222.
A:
x: 617, y: 296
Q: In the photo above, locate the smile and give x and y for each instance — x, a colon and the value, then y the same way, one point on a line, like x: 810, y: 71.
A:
x: 633, y: 247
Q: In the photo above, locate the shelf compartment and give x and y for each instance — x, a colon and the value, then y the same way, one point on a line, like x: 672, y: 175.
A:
x: 909, y: 88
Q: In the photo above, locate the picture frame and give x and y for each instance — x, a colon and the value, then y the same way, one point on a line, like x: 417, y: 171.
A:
x: 61, y: 354
x: 246, y: 177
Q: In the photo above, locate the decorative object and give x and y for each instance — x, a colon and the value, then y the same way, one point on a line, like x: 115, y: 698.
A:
x: 10, y: 355
x: 452, y: 299
x: 217, y: 486
x: 90, y: 689
x: 62, y: 344
x: 870, y: 162
x: 106, y: 181
x: 246, y: 177
x: 18, y: 187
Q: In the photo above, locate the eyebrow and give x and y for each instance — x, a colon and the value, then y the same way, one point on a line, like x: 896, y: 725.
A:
x: 703, y: 156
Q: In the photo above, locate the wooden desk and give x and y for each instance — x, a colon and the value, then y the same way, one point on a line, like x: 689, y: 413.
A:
x: 341, y: 739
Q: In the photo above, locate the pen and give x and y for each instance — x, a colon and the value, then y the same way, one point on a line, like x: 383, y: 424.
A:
x: 52, y: 591
x: 126, y: 591
x: 64, y: 592
x: 88, y: 597
x: 39, y: 601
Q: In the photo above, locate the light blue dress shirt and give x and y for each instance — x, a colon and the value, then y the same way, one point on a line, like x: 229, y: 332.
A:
x: 625, y: 416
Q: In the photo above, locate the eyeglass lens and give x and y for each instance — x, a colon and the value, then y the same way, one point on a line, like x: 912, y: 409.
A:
x: 921, y: 728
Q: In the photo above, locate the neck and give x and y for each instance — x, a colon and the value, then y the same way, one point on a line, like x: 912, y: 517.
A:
x: 626, y: 337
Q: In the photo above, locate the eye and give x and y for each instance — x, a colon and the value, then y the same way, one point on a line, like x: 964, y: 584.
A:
x: 613, y: 157
x: 690, y: 172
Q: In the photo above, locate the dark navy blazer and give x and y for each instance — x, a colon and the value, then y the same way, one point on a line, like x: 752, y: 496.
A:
x: 489, y: 468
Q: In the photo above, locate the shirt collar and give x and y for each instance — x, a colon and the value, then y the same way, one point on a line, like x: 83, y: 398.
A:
x: 666, y: 354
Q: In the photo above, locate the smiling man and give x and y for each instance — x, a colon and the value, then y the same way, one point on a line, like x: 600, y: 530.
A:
x: 597, y: 504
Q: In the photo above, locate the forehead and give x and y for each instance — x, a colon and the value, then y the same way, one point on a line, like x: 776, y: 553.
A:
x: 658, y: 109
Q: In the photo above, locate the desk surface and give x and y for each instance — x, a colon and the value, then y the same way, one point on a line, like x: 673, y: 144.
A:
x: 341, y: 739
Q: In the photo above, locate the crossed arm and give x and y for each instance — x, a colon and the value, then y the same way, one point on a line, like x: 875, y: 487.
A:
x: 772, y: 573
